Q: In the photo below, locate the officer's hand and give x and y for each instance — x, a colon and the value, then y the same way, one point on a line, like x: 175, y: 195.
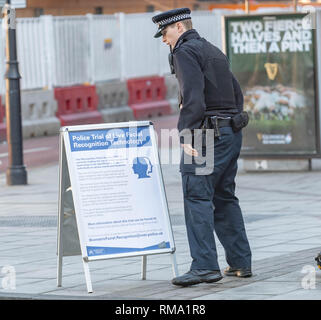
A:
x: 188, y: 149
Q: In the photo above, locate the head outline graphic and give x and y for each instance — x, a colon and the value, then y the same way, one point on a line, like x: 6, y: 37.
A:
x: 142, y: 166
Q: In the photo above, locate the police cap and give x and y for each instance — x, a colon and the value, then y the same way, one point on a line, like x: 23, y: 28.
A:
x: 169, y: 17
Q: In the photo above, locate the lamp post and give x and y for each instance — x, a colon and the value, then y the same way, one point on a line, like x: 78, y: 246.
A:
x: 16, y: 171
x: 247, y: 7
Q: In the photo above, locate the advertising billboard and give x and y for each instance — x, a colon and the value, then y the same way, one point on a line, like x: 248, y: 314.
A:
x: 274, y: 59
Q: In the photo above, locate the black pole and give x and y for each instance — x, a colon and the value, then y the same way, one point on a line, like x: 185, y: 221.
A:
x: 16, y: 171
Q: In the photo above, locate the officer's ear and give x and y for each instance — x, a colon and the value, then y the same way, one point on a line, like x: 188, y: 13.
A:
x: 180, y: 27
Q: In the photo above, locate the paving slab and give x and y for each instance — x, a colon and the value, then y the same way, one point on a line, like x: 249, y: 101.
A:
x: 282, y: 220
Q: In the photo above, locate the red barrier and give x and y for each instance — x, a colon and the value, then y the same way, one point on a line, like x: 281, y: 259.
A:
x: 3, y: 127
x: 147, y: 97
x: 77, y: 105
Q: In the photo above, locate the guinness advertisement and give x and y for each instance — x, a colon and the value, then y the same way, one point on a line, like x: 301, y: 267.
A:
x: 273, y: 58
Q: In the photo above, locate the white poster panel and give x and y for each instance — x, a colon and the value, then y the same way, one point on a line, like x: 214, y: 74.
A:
x: 118, y: 191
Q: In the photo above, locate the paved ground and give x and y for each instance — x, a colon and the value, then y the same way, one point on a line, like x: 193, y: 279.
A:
x: 281, y: 211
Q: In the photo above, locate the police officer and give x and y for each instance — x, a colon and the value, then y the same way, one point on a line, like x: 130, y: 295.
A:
x: 209, y: 94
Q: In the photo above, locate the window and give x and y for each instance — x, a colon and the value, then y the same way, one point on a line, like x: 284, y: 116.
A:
x: 38, y: 12
x: 99, y: 10
x: 150, y: 8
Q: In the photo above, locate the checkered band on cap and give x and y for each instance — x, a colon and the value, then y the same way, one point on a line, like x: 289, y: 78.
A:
x: 174, y: 19
x: 169, y: 17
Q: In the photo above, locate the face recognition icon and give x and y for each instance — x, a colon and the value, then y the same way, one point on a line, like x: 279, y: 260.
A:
x: 142, y: 166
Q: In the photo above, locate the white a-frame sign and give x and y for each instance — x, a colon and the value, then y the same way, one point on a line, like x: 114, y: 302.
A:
x: 112, y: 200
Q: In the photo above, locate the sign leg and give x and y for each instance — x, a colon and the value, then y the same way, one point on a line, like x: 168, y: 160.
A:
x: 144, y: 267
x: 59, y: 272
x: 62, y: 162
x: 59, y: 250
x: 174, y: 264
x: 87, y: 276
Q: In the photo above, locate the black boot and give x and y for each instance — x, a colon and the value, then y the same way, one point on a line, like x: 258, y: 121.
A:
x: 197, y: 276
x: 238, y: 272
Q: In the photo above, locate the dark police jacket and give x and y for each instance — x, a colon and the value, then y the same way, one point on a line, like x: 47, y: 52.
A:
x: 207, y: 85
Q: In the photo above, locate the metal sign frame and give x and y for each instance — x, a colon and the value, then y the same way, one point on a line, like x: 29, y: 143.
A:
x: 66, y: 168
x: 317, y: 84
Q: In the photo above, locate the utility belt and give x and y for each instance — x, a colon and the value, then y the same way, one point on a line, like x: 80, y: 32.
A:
x: 237, y: 122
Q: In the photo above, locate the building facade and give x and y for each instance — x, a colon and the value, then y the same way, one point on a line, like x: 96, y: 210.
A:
x: 35, y: 8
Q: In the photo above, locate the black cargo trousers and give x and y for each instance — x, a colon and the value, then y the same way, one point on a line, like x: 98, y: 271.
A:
x: 210, y: 204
